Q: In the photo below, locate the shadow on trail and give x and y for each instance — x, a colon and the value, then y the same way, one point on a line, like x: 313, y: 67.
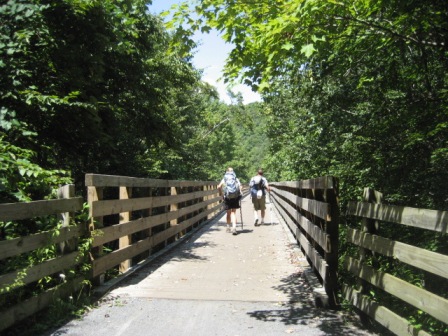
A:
x: 296, y: 289
x: 294, y: 314
x: 244, y: 231
x: 301, y: 311
x: 184, y: 250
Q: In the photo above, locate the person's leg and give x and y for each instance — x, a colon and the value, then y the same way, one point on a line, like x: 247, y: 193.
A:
x: 256, y: 204
x: 255, y: 217
x: 228, y: 219
x: 233, y: 219
x: 262, y: 208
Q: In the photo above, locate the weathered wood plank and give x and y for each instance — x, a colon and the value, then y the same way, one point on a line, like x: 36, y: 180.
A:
x: 29, y: 307
x: 426, y: 260
x: 108, y: 261
x: 16, y: 211
x: 125, y: 240
x: 317, y: 208
x: 104, y: 263
x: 25, y: 276
x: 428, y: 302
x: 113, y: 232
x: 392, y: 321
x: 421, y: 218
x: 324, y: 182
x: 17, y: 246
x: 114, y: 258
x: 132, y: 182
x: 315, y: 232
x: 65, y: 192
x: 109, y: 207
x: 318, y: 263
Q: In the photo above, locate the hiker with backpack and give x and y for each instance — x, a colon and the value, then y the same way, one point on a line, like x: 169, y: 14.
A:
x: 230, y: 189
x: 258, y: 187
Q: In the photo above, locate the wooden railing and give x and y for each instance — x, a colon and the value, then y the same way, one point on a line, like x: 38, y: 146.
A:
x: 133, y: 217
x: 130, y: 219
x: 310, y: 209
x: 56, y: 246
x: 377, y: 253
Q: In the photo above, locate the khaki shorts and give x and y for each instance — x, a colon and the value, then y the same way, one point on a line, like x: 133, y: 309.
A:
x: 259, y: 204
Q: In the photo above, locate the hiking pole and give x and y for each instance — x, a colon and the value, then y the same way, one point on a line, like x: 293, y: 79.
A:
x: 241, y: 214
x: 270, y: 208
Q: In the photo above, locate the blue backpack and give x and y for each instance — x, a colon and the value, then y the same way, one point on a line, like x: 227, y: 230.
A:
x: 232, y: 186
x: 256, y: 187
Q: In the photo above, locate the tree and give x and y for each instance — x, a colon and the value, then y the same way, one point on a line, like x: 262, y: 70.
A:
x: 95, y: 82
x: 361, y: 82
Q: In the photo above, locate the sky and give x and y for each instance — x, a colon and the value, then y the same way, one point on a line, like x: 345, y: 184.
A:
x: 210, y: 57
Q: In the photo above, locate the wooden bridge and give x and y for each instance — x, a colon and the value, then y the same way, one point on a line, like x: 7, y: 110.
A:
x: 134, y: 222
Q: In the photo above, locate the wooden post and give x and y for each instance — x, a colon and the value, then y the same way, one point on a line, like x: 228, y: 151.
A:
x: 95, y: 194
x: 331, y: 196
x: 370, y: 226
x: 174, y: 207
x: 125, y: 193
x: 206, y: 198
x: 215, y: 204
x: 148, y: 213
x: 67, y: 191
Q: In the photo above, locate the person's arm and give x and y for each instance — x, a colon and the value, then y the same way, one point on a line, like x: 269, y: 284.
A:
x: 268, y: 188
x: 220, y: 187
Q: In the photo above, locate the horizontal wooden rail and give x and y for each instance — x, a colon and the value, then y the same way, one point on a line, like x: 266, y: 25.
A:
x: 109, y: 207
x: 17, y: 246
x: 429, y: 261
x: 29, y: 307
x: 34, y: 273
x: 113, y: 232
x: 56, y: 266
x: 421, y: 218
x: 96, y: 180
x: 320, y: 183
x: 16, y: 211
x: 151, y: 213
x: 317, y: 208
x: 316, y: 259
x: 392, y: 321
x: 367, y: 265
x: 310, y: 209
x: 160, y: 212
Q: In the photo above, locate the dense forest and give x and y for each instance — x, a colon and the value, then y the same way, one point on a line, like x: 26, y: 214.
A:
x: 99, y: 87
x: 352, y: 89
x: 356, y: 91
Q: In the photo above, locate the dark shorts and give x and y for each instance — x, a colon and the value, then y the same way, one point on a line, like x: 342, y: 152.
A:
x: 233, y: 203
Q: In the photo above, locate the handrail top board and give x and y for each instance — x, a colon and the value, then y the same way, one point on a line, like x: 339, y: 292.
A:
x: 98, y: 180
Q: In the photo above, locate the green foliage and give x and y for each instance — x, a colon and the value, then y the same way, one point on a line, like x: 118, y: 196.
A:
x: 357, y: 90
x: 97, y: 84
x: 60, y: 312
x: 360, y: 87
x: 23, y: 180
x: 61, y: 309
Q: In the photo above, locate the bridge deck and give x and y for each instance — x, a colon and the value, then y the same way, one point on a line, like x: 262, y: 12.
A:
x: 216, y: 283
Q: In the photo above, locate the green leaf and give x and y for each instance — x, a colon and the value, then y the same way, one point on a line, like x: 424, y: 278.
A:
x: 308, y: 50
x: 288, y: 46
